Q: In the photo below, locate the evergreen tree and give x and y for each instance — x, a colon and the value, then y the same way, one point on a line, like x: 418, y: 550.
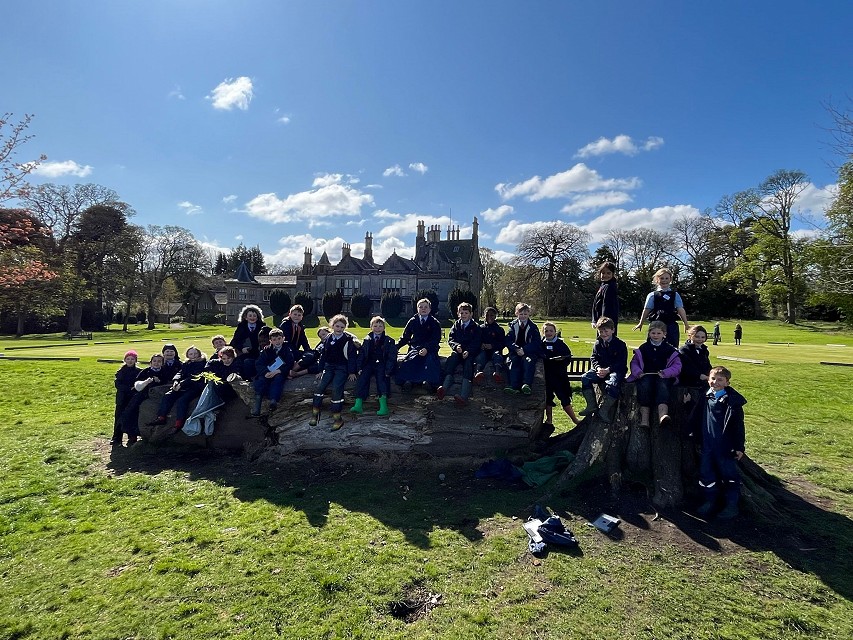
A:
x: 280, y: 304
x: 333, y: 303
x: 360, y: 306
x: 458, y: 296
x: 304, y: 298
x: 391, y: 305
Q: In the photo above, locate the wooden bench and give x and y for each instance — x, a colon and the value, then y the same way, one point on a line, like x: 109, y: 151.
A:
x: 578, y: 367
x: 82, y: 335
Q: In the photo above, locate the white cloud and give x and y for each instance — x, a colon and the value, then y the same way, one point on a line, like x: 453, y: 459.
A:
x: 64, y: 168
x: 283, y: 120
x: 589, y: 201
x: 394, y: 171
x: 514, y: 231
x: 232, y: 93
x: 384, y: 214
x: 578, y: 179
x: 407, y: 224
x: 315, y: 207
x: 815, y: 200
x: 292, y: 249
x: 420, y: 167
x: 503, y: 256
x: 373, y: 186
x: 325, y: 179
x: 229, y: 199
x: 620, y: 144
x: 493, y: 215
x: 176, y: 93
x: 189, y: 208
x: 655, y: 218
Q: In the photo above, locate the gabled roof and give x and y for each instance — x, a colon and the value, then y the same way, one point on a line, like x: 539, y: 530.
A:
x: 324, y: 260
x: 349, y: 264
x: 395, y: 263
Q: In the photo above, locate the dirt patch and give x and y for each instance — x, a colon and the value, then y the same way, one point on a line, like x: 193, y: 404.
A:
x: 415, y: 602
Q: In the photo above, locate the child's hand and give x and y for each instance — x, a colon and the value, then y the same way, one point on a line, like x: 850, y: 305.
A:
x: 422, y: 352
x: 459, y: 349
x: 352, y: 377
x: 738, y: 455
x: 637, y: 327
x: 464, y: 354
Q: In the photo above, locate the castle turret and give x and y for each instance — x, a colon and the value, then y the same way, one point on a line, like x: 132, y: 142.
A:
x: 306, y: 264
x: 345, y: 250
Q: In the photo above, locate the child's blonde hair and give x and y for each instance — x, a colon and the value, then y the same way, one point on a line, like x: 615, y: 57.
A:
x: 657, y: 324
x: 722, y: 371
x: 339, y: 318
x: 548, y: 323
x: 377, y: 319
x: 521, y: 306
x: 659, y: 273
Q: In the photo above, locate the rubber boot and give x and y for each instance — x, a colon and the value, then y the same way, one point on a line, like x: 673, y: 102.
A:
x: 256, y: 407
x: 663, y: 416
x: 644, y: 416
x: 315, y: 416
x: 591, y: 403
x: 383, y: 406
x: 462, y: 399
x: 337, y: 421
x: 607, y: 407
x: 357, y: 408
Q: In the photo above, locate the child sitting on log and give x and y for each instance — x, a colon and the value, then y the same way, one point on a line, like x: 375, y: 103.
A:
x: 523, y: 341
x: 655, y: 367
x: 492, y: 336
x: 376, y: 358
x: 309, y: 362
x: 271, y: 369
x: 464, y: 342
x: 608, y: 367
x: 338, y: 363
x: 184, y: 389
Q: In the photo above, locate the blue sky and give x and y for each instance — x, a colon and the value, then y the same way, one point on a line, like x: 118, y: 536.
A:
x: 293, y: 124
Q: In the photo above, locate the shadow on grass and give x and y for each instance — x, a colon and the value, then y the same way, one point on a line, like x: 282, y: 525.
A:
x: 416, y: 501
x: 413, y: 501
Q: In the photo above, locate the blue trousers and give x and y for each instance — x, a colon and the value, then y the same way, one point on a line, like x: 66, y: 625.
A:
x: 521, y: 368
x: 652, y: 390
x: 270, y: 387
x: 383, y: 382
x: 489, y: 355
x: 455, y: 360
x: 180, y: 399
x: 612, y: 383
x: 718, y: 472
x: 336, y: 375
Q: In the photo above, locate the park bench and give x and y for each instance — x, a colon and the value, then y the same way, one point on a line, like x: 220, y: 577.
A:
x: 80, y: 335
x: 577, y: 367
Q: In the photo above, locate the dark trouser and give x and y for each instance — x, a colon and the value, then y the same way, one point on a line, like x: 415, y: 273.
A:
x: 383, y: 382
x: 612, y: 383
x: 652, y: 389
x: 521, y: 368
x: 122, y: 398
x: 562, y: 389
x: 672, y: 335
x: 246, y: 367
x: 180, y: 399
x: 130, y: 415
x: 270, y: 387
x: 454, y: 360
x: 718, y: 472
x: 489, y: 355
x: 336, y: 375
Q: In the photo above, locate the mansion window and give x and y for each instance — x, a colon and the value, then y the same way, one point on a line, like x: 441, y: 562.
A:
x: 347, y: 286
x: 307, y: 287
x: 394, y: 285
x: 232, y: 294
x: 242, y: 294
x: 267, y: 293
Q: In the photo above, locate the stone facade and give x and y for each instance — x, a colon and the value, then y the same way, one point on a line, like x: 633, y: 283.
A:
x: 438, y: 265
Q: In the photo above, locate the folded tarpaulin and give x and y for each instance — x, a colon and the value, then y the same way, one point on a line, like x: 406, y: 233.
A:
x: 204, y: 414
x: 501, y: 469
x: 538, y: 472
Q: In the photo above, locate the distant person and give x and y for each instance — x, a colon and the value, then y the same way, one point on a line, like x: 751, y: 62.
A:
x: 377, y: 358
x: 738, y: 333
x: 556, y: 357
x: 124, y: 379
x: 492, y: 336
x: 245, y: 340
x: 664, y: 304
x: 420, y: 365
x: 524, y: 343
x: 654, y: 367
x: 606, y: 300
x: 608, y: 368
x: 716, y: 333
x: 338, y: 363
x: 464, y: 341
x: 272, y: 366
x: 718, y: 423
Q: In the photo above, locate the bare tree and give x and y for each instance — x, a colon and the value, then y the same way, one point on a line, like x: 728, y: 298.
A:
x: 546, y: 246
x: 13, y: 174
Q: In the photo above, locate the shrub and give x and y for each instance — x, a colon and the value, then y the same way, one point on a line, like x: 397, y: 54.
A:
x: 391, y: 305
x: 458, y: 296
x: 279, y: 303
x: 360, y: 305
x: 333, y: 303
x: 305, y: 299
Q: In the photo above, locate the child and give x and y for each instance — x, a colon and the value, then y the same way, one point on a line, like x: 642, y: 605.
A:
x: 716, y: 333
x: 308, y: 363
x: 695, y: 359
x: 464, y: 342
x: 491, y: 348
x: 184, y: 389
x: 338, y: 363
x: 271, y: 369
x: 420, y: 364
x: 606, y: 300
x: 655, y: 366
x: 523, y: 341
x: 608, y: 366
x: 125, y: 377
x: 294, y: 332
x: 376, y: 358
x: 151, y: 376
x: 171, y: 363
x: 665, y: 305
x: 556, y: 357
x: 218, y: 342
x: 718, y: 422
x: 245, y: 340
x: 738, y: 333
x: 264, y: 337
x: 226, y: 368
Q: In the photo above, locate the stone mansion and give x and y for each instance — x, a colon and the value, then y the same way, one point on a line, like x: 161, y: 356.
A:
x: 438, y: 265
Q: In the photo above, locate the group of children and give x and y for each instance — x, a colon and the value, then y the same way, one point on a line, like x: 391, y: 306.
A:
x: 269, y: 357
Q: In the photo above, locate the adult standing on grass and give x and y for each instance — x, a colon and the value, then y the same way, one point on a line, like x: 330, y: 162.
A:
x: 605, y: 304
x: 716, y: 333
x: 738, y: 333
x: 664, y: 304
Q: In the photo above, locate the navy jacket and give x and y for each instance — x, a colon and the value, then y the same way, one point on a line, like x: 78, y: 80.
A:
x: 494, y: 335
x: 294, y: 335
x: 189, y: 369
x: 612, y: 355
x: 269, y: 356
x: 606, y: 302
x: 243, y: 337
x: 733, y: 432
x: 418, y: 336
x: 380, y: 354
x: 694, y: 362
x: 556, y: 357
x: 532, y: 339
x: 469, y: 338
x: 342, y: 352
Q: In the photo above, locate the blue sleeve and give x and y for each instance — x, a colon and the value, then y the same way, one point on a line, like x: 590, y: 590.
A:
x: 650, y: 301
x: 678, y: 303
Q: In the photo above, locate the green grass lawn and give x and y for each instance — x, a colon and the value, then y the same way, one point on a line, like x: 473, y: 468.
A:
x: 161, y: 542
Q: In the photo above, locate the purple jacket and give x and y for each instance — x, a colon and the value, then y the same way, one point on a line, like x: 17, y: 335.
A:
x: 671, y: 370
